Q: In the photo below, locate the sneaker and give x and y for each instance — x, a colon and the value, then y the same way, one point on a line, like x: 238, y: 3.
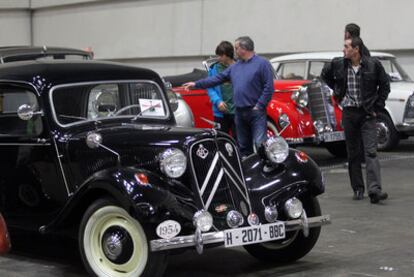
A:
x: 376, y: 197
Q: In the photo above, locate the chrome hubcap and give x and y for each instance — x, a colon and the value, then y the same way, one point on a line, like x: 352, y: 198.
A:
x: 117, y: 245
x: 383, y: 133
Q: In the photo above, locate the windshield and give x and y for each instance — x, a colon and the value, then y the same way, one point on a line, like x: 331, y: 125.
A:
x: 394, y: 70
x: 129, y: 100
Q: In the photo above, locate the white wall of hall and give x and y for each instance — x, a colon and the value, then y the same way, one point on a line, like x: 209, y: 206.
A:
x: 172, y: 36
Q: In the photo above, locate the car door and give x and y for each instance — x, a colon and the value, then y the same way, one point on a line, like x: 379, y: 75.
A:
x: 27, y: 160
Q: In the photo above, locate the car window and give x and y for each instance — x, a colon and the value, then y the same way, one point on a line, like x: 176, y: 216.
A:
x: 11, y: 98
x: 394, y: 70
x: 315, y: 69
x: 134, y: 100
x: 292, y: 71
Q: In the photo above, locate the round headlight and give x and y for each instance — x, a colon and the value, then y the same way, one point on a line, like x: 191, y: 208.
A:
x: 319, y: 126
x: 411, y: 101
x: 276, y: 149
x: 271, y: 213
x: 173, y: 163
x: 293, y: 207
x: 234, y: 219
x: 203, y: 220
x: 301, y: 97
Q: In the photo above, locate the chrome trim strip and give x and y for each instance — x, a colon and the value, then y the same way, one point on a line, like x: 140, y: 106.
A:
x: 213, y: 191
x: 232, y: 169
x: 208, y: 176
x: 61, y: 166
x: 218, y: 237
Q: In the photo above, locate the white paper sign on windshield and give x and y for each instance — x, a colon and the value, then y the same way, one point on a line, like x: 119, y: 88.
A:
x: 151, y: 107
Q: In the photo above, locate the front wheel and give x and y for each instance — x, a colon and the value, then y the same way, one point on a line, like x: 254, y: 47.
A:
x: 112, y: 243
x: 387, y: 135
x: 294, y: 246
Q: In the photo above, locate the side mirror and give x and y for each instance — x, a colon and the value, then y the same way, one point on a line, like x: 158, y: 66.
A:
x: 26, y: 112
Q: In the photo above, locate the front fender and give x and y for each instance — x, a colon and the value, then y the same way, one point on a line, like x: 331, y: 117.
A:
x: 300, y: 121
x: 293, y: 177
x: 147, y: 202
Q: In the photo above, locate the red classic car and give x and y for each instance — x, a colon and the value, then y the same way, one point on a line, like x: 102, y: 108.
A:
x: 301, y: 111
x: 4, y: 237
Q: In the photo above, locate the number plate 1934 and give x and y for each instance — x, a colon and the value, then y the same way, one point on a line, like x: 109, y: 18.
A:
x: 254, y: 234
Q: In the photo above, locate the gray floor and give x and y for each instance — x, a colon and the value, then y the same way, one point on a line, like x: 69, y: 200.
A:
x: 364, y: 239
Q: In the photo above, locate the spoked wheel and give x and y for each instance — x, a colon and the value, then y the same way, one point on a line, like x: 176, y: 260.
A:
x: 294, y: 246
x: 112, y: 243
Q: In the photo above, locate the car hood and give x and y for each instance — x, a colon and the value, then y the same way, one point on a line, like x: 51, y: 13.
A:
x: 126, y: 145
x: 133, y: 135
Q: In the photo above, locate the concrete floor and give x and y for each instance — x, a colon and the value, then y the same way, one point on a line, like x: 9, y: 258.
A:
x: 363, y: 239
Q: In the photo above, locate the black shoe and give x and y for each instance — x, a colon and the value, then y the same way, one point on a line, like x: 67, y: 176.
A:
x: 358, y: 195
x: 376, y: 197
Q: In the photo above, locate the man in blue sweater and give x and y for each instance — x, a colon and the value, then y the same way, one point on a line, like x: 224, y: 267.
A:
x: 252, y: 80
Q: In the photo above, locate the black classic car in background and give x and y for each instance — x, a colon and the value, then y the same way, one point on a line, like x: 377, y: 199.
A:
x: 90, y: 149
x: 25, y: 53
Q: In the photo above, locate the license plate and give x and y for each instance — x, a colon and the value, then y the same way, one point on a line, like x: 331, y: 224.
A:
x: 333, y: 136
x: 254, y: 234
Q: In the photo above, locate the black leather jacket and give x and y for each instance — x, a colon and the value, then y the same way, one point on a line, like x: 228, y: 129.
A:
x: 375, y: 83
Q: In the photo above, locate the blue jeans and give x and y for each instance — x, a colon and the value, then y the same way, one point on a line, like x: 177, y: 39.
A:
x: 251, y: 127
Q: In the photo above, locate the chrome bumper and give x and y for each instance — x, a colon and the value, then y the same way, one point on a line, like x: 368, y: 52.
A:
x: 218, y: 237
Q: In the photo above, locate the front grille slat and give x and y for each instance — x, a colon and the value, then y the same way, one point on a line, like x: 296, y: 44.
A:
x: 320, y: 104
x: 218, y: 175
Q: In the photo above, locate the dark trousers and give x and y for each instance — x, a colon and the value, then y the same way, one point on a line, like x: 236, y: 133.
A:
x: 251, y: 128
x: 360, y: 128
x: 227, y: 124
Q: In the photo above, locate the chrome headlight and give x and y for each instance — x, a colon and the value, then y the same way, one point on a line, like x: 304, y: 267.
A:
x: 293, y: 207
x: 173, y: 99
x: 173, y: 162
x: 276, y: 149
x: 203, y: 220
x: 409, y: 108
x: 301, y: 97
x: 271, y: 213
x: 319, y: 126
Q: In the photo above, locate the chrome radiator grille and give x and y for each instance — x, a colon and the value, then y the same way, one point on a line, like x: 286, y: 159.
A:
x: 218, y: 175
x: 320, y: 104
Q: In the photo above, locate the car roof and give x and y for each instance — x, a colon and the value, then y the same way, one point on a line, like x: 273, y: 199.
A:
x: 320, y: 56
x: 23, y: 52
x: 56, y: 72
x: 178, y: 80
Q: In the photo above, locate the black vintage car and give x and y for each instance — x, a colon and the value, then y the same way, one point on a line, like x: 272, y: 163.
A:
x: 90, y: 149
